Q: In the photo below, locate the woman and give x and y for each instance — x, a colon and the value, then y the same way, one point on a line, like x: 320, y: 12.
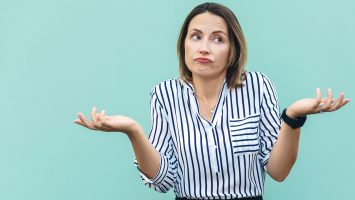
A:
x: 214, y: 130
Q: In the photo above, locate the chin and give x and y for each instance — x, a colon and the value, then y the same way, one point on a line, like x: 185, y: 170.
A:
x: 205, y: 75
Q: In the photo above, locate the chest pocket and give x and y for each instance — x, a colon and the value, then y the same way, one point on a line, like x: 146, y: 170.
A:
x: 244, y: 134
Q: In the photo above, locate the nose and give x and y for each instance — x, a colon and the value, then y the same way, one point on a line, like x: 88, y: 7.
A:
x: 204, y: 47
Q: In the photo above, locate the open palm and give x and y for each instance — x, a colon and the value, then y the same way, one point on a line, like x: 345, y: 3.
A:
x: 316, y: 105
x: 102, y: 122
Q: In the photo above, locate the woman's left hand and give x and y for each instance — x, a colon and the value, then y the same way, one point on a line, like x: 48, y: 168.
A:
x: 316, y: 105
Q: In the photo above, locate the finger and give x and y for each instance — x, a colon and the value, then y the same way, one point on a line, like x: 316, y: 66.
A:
x: 93, y: 115
x: 84, y: 121
x: 77, y: 121
x: 82, y: 124
x: 320, y: 106
x: 318, y: 100
x: 328, y: 103
x: 338, y: 103
x: 100, y: 125
x: 101, y: 117
x: 319, y: 95
x: 344, y: 102
x: 98, y: 121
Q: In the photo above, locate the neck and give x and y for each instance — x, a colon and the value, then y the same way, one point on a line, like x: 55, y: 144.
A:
x: 208, y: 90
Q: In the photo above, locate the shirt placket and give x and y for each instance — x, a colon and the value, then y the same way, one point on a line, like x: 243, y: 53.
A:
x: 212, y: 147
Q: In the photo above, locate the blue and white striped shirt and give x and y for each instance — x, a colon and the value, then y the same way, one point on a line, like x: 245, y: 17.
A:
x: 219, y: 159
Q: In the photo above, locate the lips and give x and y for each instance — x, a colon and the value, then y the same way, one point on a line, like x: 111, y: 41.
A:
x: 203, y: 60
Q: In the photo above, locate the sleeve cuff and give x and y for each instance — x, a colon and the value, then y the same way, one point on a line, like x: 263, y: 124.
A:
x: 265, y: 161
x: 162, y: 172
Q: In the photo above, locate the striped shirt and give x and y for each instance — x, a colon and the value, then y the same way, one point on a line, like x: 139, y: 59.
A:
x: 219, y: 159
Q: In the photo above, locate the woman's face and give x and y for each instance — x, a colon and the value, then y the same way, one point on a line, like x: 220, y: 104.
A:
x: 207, y: 46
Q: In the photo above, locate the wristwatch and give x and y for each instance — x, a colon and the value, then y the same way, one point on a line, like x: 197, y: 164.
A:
x: 294, y: 123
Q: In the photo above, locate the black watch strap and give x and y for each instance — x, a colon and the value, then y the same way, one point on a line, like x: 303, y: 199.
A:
x: 294, y: 123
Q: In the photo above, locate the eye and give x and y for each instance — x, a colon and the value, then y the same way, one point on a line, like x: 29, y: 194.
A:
x: 195, y: 37
x: 218, y: 39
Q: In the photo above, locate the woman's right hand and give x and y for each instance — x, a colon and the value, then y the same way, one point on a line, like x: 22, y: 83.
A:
x: 101, y: 122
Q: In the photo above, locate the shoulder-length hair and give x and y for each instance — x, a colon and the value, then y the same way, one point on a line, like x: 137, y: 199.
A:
x: 238, y: 49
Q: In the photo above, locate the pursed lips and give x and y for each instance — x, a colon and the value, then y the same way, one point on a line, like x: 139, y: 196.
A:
x: 203, y: 60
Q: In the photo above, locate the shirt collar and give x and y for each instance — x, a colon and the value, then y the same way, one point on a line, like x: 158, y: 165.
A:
x: 190, y: 87
x: 191, y: 99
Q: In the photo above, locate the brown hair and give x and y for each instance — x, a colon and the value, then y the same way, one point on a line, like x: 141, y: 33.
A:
x: 238, y: 48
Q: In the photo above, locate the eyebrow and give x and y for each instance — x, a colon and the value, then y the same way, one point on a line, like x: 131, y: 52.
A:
x: 194, y: 29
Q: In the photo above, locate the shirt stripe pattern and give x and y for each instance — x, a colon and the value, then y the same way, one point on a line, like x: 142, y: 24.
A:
x: 219, y: 159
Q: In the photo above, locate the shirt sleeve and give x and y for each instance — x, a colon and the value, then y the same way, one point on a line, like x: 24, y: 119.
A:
x: 160, y: 137
x: 270, y: 122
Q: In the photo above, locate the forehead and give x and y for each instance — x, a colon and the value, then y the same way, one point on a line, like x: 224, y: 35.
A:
x: 207, y: 21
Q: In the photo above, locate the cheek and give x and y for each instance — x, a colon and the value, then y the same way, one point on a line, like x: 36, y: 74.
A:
x: 224, y: 54
x: 190, y: 47
x: 187, y: 49
x: 188, y: 52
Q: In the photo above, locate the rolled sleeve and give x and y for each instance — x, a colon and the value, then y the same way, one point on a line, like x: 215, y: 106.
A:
x: 270, y: 122
x: 160, y: 137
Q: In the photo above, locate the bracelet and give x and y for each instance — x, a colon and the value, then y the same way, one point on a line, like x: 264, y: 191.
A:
x: 294, y: 123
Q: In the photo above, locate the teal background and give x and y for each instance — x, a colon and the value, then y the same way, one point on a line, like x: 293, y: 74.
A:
x: 58, y: 58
